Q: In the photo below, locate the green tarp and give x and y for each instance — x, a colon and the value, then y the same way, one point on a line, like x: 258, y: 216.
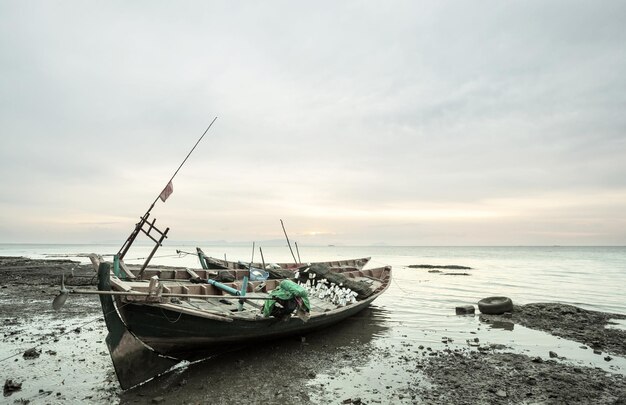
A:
x: 286, y: 291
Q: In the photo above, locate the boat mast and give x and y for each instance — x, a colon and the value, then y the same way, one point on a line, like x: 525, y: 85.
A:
x: 139, y: 227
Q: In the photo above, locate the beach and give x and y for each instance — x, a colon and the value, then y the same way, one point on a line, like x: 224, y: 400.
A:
x: 60, y: 357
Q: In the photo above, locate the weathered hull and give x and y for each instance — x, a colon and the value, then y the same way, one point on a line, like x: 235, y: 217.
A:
x: 134, y: 361
x: 147, y: 338
x: 170, y: 332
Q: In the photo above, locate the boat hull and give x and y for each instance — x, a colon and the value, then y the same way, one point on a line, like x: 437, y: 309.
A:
x: 147, y: 338
x: 174, y: 333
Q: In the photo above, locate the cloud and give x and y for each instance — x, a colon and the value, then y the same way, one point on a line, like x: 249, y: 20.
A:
x: 349, y: 118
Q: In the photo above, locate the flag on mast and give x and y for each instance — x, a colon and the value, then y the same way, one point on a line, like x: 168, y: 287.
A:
x: 167, y: 191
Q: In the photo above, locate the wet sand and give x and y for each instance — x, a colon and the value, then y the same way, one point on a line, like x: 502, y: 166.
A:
x: 70, y: 362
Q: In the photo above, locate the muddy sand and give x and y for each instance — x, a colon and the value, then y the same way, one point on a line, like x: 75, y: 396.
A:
x: 60, y: 357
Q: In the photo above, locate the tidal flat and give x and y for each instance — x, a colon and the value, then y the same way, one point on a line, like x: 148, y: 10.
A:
x: 61, y: 356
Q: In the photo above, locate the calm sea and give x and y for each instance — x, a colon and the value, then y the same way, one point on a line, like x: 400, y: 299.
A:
x: 590, y: 277
x: 419, y: 307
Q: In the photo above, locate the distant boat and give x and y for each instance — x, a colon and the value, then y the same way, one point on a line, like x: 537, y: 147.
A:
x: 208, y: 262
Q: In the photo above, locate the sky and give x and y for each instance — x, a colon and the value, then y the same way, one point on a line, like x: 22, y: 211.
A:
x: 430, y: 123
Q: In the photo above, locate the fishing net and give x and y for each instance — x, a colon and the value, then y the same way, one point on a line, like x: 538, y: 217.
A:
x: 279, y: 273
x: 322, y: 271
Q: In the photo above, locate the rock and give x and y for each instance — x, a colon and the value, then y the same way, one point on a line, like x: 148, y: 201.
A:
x: 465, y: 310
x: 11, y: 386
x: 32, y: 353
x: 596, y: 351
x: 553, y: 355
x: 157, y: 400
x: 501, y: 393
x: 537, y: 360
x: 608, y: 358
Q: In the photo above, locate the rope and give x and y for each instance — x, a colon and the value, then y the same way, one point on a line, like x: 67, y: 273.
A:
x: 168, y: 319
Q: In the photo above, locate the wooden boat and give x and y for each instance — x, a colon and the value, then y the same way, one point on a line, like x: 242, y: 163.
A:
x: 208, y: 262
x: 157, y: 316
x: 173, y: 319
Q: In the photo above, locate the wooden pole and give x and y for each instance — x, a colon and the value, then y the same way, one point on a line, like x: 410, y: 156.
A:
x: 142, y: 294
x: 288, y: 243
x: 298, y: 252
x: 262, y: 258
x: 187, y: 157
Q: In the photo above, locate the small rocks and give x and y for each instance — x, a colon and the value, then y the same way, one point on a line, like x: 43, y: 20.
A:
x: 473, y: 343
x: 31, y: 353
x: 553, y: 355
x: 465, y: 310
x: 501, y: 393
x: 596, y: 351
x: 157, y: 400
x: 11, y: 386
x: 608, y: 358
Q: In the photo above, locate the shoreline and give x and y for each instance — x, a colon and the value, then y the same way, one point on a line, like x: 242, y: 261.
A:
x: 321, y: 365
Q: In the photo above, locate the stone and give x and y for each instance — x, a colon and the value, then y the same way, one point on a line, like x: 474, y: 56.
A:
x: 501, y: 393
x: 11, y: 386
x: 465, y: 310
x: 31, y: 353
x: 157, y: 400
x: 553, y: 355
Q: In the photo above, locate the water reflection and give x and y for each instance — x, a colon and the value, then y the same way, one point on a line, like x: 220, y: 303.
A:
x: 258, y: 366
x: 497, y: 324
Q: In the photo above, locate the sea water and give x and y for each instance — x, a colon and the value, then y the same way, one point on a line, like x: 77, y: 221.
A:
x: 590, y: 277
x: 418, y: 309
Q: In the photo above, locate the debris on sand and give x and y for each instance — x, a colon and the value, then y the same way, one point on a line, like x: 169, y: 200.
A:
x: 11, y: 386
x: 518, y: 378
x: 31, y: 353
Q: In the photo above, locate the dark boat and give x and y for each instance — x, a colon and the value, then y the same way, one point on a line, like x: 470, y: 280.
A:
x: 158, y: 316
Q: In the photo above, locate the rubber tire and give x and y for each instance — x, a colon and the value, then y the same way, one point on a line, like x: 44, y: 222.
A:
x: 495, y: 305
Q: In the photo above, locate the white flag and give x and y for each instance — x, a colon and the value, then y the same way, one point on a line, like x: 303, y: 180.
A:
x: 167, y: 191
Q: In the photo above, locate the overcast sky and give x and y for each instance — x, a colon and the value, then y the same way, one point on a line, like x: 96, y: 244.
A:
x: 405, y: 123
